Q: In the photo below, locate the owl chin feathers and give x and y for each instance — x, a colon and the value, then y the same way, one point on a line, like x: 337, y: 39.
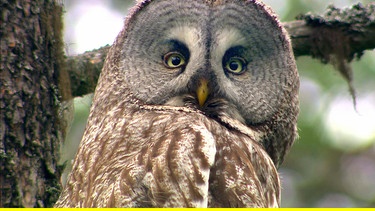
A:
x: 216, y: 108
x: 219, y: 109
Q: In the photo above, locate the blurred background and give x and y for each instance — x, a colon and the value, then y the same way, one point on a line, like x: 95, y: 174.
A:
x: 332, y: 164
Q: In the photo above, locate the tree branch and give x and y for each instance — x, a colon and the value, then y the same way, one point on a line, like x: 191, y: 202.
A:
x: 348, y: 32
x: 84, y: 70
x: 337, y: 37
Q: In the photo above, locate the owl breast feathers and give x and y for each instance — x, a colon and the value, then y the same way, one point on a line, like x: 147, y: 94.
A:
x: 196, y: 106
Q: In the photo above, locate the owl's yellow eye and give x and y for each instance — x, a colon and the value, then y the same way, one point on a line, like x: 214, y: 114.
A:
x: 174, y: 60
x: 236, y: 65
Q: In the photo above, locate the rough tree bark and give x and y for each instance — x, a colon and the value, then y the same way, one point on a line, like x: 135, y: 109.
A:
x: 34, y: 83
x: 31, y: 127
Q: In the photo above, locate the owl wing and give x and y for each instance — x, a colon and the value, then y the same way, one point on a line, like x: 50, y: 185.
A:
x: 243, y: 175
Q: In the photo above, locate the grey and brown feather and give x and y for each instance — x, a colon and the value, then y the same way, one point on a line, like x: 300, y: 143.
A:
x: 148, y: 140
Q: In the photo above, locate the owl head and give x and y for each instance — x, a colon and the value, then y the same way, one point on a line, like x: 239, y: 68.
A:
x: 225, y: 58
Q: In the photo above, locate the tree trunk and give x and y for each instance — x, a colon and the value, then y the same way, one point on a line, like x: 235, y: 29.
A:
x: 31, y: 123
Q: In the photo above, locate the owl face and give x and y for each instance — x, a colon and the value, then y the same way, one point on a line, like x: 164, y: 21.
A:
x: 222, y: 57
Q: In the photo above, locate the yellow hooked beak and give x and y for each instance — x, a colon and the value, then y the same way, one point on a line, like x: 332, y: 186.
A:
x: 202, y: 91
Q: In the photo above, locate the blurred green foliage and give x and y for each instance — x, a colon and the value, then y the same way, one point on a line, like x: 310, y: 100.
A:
x: 316, y: 173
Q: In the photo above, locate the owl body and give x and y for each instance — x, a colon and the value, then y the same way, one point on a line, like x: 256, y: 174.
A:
x: 196, y: 106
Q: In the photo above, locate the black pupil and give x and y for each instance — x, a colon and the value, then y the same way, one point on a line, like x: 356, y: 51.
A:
x: 176, y: 60
x: 233, y: 65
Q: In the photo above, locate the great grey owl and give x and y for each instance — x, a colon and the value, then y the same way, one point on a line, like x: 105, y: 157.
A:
x: 196, y: 106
